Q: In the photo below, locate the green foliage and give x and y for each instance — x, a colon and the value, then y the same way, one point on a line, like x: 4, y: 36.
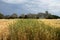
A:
x: 45, y: 15
x: 52, y: 17
x: 1, y: 16
x: 7, y: 16
x: 14, y: 15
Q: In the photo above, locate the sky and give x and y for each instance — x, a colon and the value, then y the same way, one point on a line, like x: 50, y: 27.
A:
x: 29, y: 6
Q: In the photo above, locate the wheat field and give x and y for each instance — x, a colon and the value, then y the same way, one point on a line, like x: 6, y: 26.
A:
x: 29, y: 29
x: 4, y: 30
x: 52, y: 22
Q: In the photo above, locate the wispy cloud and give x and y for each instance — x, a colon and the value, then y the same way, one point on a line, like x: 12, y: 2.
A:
x: 38, y: 5
x: 14, y: 1
x: 42, y: 5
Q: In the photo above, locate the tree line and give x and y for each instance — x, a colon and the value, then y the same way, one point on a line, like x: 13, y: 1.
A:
x: 45, y: 15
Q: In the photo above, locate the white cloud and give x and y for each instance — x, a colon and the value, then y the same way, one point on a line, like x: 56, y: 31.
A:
x: 38, y: 5
x: 14, y: 1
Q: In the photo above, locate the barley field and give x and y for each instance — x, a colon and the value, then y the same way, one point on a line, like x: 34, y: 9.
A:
x: 29, y: 29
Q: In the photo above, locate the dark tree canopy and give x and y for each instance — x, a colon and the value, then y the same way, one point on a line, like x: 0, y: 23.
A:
x: 7, y: 16
x: 45, y: 15
x: 1, y: 16
x: 14, y: 15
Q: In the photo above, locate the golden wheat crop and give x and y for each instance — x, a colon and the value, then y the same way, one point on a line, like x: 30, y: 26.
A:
x: 51, y: 22
x: 4, y: 32
x: 29, y: 29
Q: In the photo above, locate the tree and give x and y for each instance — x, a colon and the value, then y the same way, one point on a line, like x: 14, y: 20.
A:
x: 14, y: 15
x: 22, y: 16
x: 1, y: 16
x: 32, y: 15
x: 47, y: 12
x: 26, y: 16
x: 53, y: 17
x: 7, y: 16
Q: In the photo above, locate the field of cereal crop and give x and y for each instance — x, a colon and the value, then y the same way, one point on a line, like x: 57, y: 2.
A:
x: 29, y: 29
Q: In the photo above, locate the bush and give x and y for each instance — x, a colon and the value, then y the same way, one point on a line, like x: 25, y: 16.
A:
x: 1, y: 16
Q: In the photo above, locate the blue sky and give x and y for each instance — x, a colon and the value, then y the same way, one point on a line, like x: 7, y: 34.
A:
x: 29, y: 6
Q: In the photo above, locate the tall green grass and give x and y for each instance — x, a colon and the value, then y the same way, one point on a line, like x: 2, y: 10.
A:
x: 32, y: 29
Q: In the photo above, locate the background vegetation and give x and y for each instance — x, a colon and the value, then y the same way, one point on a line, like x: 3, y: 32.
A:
x: 45, y: 15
